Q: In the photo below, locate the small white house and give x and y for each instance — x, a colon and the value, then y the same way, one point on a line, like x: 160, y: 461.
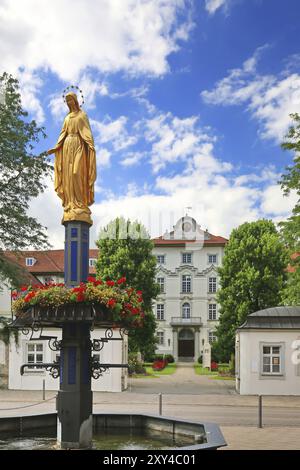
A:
x: 268, y: 353
x: 37, y: 351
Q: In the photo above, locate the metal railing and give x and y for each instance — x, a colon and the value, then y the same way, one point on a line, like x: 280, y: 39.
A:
x: 186, y: 321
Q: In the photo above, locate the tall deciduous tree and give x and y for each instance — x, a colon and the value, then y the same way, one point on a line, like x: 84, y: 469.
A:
x: 252, y: 276
x: 21, y: 177
x: 126, y: 250
x: 290, y: 229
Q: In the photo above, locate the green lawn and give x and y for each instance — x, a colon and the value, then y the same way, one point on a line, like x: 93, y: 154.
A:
x: 202, y: 371
x: 170, y: 369
x: 199, y: 370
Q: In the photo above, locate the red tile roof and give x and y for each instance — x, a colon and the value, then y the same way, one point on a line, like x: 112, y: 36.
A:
x: 213, y: 240
x: 47, y: 262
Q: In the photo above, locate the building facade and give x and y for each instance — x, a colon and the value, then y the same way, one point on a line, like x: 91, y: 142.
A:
x: 186, y: 308
x: 268, y: 353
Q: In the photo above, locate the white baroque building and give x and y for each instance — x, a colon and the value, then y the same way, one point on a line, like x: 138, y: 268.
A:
x: 186, y: 308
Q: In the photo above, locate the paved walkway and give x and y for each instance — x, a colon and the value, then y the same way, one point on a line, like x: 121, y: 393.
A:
x: 184, y: 380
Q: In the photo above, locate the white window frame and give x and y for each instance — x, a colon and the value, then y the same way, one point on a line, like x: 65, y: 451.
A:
x: 161, y: 256
x: 161, y: 338
x: 212, y: 337
x: 30, y: 262
x: 212, y: 286
x: 184, y: 255
x: 185, y: 284
x: 92, y: 262
x: 212, y: 313
x: 212, y: 262
x: 272, y: 355
x: 184, y: 310
x: 160, y: 312
x: 161, y: 284
x: 34, y: 368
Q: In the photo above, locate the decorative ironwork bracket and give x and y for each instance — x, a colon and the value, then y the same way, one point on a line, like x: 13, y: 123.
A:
x: 97, y: 369
x: 34, y: 328
x: 52, y: 368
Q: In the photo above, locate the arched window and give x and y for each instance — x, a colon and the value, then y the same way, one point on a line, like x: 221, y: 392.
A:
x: 186, y: 310
x: 186, y: 335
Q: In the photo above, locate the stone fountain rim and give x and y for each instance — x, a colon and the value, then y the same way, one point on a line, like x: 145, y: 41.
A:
x: 214, y: 436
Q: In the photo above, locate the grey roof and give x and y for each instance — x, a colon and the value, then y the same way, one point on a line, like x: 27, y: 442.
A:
x: 273, y: 318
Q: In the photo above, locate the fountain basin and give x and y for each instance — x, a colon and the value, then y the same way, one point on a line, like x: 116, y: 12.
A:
x: 139, y: 431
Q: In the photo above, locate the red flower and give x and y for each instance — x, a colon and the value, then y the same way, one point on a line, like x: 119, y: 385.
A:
x: 91, y: 279
x: 79, y: 289
x: 80, y: 297
x: 139, y: 292
x: 29, y: 296
x: 110, y: 283
x: 140, y: 299
x: 98, y: 283
x: 122, y: 280
x: 111, y: 303
x: 23, y: 288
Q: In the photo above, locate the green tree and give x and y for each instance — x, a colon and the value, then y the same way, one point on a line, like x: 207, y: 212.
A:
x: 290, y: 228
x: 252, y: 277
x: 21, y: 177
x: 125, y: 249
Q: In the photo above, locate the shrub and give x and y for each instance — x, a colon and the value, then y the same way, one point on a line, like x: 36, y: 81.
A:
x: 213, y: 365
x: 200, y: 360
x: 159, y: 364
x: 169, y: 358
x: 135, y: 366
x: 232, y: 364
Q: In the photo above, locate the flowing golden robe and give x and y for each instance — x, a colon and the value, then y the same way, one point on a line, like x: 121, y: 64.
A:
x: 75, y: 167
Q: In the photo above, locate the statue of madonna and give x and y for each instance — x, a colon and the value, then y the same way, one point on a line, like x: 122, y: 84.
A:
x: 75, y: 164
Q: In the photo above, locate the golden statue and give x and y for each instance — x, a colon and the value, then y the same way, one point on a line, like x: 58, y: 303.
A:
x: 75, y: 164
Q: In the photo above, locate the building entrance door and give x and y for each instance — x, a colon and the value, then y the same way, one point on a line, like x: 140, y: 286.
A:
x: 186, y: 344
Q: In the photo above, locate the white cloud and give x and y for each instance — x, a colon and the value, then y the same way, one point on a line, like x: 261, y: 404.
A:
x: 269, y: 98
x: 213, y: 5
x: 103, y: 157
x: 132, y: 158
x: 68, y: 36
x: 52, y: 216
x: 113, y: 132
x: 273, y: 204
x: 30, y: 86
x: 173, y: 139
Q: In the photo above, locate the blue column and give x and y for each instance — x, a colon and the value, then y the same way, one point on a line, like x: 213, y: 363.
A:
x: 76, y: 252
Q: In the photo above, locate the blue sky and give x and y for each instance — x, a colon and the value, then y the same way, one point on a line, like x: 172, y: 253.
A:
x: 188, y: 102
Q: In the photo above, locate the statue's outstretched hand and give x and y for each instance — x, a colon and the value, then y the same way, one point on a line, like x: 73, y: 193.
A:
x: 49, y: 152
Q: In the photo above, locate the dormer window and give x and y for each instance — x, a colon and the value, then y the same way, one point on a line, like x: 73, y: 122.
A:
x: 30, y: 261
x: 92, y: 262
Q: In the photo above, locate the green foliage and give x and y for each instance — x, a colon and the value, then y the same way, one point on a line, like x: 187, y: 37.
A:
x: 252, y: 277
x: 125, y: 249
x: 21, y: 177
x: 6, y: 331
x: 290, y: 229
x: 159, y: 357
x: 135, y: 366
